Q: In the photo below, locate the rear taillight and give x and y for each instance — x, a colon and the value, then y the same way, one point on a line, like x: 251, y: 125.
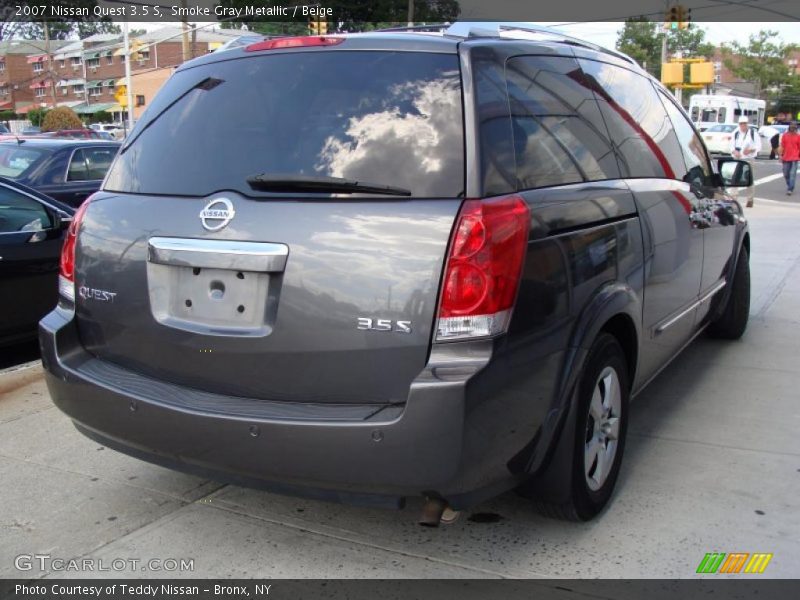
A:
x: 483, y: 268
x: 66, y: 275
x: 295, y: 42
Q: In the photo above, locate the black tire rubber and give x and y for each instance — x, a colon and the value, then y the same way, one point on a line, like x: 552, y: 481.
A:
x: 732, y: 321
x: 582, y: 503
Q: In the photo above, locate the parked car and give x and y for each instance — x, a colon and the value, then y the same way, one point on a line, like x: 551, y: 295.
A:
x: 116, y: 131
x: 4, y: 129
x: 74, y: 133
x: 64, y: 169
x: 32, y: 130
x: 397, y: 265
x: 32, y: 229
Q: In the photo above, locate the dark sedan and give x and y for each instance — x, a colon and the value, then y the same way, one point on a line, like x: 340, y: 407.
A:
x: 32, y: 229
x: 65, y: 169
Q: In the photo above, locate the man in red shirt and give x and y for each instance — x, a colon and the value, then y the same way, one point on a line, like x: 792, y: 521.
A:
x: 790, y: 155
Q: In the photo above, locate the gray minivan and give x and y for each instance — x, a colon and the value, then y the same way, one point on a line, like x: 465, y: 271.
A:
x: 370, y: 267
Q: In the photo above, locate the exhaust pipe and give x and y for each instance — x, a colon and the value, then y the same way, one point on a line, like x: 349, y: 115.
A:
x: 436, y: 511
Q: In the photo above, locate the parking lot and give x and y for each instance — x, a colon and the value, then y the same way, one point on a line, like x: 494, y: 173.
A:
x: 712, y: 465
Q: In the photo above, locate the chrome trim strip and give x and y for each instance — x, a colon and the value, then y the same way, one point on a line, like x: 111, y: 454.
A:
x: 719, y: 285
x: 218, y: 254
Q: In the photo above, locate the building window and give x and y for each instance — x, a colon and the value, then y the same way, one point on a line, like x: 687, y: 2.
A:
x: 95, y: 91
x: 38, y: 67
x: 40, y: 92
x: 110, y: 59
x: 4, y: 90
x: 144, y: 56
x: 77, y: 89
x: 75, y: 61
x: 93, y: 63
x: 62, y: 63
x: 139, y: 100
x: 2, y: 66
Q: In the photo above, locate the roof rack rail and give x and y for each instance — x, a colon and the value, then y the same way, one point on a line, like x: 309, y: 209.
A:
x: 468, y: 29
x: 434, y: 27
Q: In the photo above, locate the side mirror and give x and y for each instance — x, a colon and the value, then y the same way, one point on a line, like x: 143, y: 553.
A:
x: 735, y: 173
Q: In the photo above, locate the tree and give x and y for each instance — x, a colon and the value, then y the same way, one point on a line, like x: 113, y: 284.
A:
x: 36, y: 116
x: 60, y: 28
x: 61, y: 117
x: 640, y: 39
x: 762, y: 60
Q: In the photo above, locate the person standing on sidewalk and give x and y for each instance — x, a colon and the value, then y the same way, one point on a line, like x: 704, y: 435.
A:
x: 789, y: 151
x: 745, y: 145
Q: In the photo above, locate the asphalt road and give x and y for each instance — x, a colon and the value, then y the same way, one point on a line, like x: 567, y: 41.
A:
x: 712, y: 465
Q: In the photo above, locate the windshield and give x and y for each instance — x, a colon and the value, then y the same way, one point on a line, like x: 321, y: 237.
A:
x: 388, y: 118
x: 722, y: 128
x: 16, y: 160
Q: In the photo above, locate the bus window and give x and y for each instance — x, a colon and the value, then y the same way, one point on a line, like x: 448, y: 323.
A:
x: 709, y: 115
x: 695, y: 113
x: 721, y: 115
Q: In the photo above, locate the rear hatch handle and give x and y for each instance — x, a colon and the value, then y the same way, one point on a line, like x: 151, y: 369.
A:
x: 265, y: 257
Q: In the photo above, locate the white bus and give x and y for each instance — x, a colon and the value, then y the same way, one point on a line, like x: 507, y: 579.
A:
x: 708, y: 109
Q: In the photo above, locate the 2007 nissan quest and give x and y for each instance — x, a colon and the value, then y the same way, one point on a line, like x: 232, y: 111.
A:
x: 400, y: 264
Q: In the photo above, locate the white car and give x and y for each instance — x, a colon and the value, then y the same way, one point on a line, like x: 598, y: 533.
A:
x: 113, y: 128
x: 718, y: 138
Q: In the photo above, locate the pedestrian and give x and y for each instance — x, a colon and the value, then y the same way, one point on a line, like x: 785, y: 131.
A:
x: 745, y: 145
x: 789, y: 151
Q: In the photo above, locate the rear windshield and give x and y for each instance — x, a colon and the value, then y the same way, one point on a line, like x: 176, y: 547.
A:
x: 389, y: 118
x: 17, y: 159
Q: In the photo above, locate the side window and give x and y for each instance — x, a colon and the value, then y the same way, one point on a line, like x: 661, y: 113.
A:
x: 77, y: 167
x: 636, y: 120
x: 698, y: 170
x: 559, y: 135
x: 721, y: 115
x: 21, y: 213
x: 98, y: 161
x: 498, y: 170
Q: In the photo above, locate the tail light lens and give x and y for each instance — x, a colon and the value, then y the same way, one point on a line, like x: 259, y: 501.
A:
x: 294, y: 42
x: 483, y: 268
x: 66, y: 275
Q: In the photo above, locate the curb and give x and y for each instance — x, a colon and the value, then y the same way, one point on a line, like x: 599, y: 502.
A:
x: 19, y: 376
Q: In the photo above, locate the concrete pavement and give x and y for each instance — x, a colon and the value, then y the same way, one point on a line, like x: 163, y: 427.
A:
x: 712, y: 465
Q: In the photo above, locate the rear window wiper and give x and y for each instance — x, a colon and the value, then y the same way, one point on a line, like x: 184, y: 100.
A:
x: 315, y: 183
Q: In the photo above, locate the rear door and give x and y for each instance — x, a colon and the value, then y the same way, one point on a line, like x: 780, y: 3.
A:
x: 188, y: 274
x: 86, y: 167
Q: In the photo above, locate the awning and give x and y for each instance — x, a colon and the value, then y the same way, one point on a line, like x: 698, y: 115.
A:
x: 120, y: 51
x: 110, y: 83
x: 95, y: 84
x: 91, y: 55
x: 71, y: 104
x: 93, y: 108
x: 6, y: 105
x: 37, y: 58
x: 107, y: 53
x: 70, y: 82
x: 22, y: 110
x: 115, y: 109
x: 66, y: 55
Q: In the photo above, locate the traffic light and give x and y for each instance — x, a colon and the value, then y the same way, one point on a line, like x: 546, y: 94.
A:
x: 316, y: 27
x: 678, y: 17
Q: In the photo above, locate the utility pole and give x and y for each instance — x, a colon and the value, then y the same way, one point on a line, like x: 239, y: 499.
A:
x: 128, y: 82
x: 50, y: 72
x: 410, y: 13
x: 666, y: 31
x: 185, y: 37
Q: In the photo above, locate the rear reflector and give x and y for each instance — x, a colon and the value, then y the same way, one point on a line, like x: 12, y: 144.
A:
x: 295, y: 42
x: 483, y: 268
x: 66, y: 275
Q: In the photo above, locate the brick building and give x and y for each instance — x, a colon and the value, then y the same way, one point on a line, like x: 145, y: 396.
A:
x: 85, y: 74
x: 727, y: 83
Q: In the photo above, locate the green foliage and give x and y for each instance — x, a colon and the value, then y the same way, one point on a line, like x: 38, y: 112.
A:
x: 7, y: 115
x: 762, y: 60
x: 61, y: 117
x: 36, y: 116
x: 641, y: 40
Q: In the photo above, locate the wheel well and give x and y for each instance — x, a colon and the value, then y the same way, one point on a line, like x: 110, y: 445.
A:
x: 621, y: 327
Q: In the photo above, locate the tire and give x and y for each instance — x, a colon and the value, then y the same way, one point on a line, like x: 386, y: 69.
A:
x: 598, y: 435
x: 732, y: 321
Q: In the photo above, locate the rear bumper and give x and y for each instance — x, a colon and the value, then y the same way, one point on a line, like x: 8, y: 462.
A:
x: 420, y: 448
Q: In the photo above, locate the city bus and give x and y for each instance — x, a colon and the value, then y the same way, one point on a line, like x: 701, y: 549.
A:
x: 709, y: 109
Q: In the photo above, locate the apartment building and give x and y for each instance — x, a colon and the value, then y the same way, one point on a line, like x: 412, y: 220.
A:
x: 726, y: 82
x: 85, y: 74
